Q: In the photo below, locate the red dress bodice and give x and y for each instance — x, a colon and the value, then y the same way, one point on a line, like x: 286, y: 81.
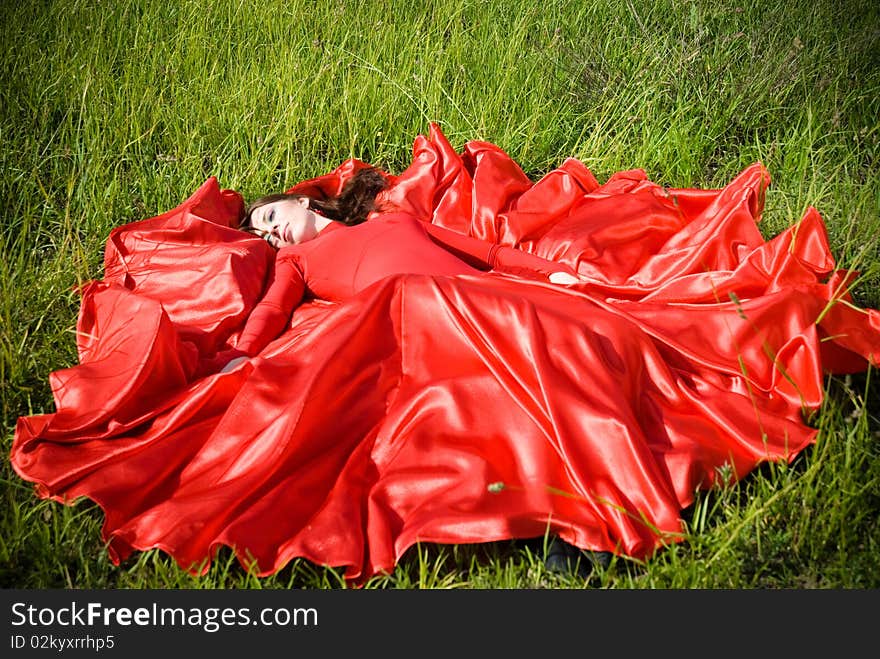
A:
x: 344, y: 260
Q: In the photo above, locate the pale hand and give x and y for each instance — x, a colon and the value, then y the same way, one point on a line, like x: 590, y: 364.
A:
x: 563, y: 278
x: 232, y: 364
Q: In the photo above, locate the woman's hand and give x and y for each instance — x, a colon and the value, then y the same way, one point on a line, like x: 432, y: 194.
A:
x: 232, y: 364
x: 563, y: 278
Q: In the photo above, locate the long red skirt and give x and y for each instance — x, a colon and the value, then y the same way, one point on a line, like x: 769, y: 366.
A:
x: 448, y: 409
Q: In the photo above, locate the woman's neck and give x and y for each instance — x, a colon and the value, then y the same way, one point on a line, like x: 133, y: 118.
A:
x: 321, y: 222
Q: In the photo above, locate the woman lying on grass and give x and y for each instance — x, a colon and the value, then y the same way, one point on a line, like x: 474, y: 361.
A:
x: 466, y: 357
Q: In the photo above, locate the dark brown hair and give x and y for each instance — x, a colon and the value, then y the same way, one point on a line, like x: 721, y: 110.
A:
x: 351, y: 206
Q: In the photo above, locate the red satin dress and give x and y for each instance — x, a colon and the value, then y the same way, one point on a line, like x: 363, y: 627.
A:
x: 342, y: 261
x: 404, y: 388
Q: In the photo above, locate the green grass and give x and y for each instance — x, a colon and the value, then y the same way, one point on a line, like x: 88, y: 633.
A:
x: 113, y: 112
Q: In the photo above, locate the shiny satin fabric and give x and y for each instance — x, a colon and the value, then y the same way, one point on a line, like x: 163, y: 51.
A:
x: 448, y: 409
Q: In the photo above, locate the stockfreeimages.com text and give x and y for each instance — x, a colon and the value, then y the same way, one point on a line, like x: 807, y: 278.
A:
x: 211, y: 619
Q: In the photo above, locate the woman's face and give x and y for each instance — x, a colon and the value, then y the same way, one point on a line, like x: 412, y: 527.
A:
x: 285, y: 222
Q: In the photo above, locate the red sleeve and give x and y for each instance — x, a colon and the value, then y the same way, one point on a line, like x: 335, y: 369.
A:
x: 489, y: 256
x: 269, y: 317
x: 473, y: 251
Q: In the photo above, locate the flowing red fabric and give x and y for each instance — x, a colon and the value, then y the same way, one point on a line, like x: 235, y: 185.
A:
x: 447, y: 409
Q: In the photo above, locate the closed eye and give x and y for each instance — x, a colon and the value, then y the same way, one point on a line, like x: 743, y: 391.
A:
x: 259, y: 233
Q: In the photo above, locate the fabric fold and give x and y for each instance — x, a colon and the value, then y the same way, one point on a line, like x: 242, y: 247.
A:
x: 453, y: 408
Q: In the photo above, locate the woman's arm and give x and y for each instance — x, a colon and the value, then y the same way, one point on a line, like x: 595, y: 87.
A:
x: 484, y: 255
x: 269, y: 317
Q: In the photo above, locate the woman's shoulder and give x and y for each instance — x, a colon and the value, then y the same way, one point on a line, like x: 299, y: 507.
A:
x: 288, y: 253
x: 396, y: 217
x: 400, y: 222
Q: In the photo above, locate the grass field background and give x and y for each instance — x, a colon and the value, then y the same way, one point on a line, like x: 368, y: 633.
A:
x: 114, y: 112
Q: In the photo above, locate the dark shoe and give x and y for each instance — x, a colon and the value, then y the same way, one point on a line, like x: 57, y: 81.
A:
x: 567, y: 560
